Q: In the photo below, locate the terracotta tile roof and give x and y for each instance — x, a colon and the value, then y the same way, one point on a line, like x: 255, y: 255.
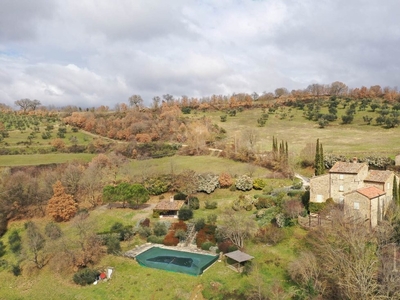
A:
x: 346, y: 167
x: 371, y: 192
x: 169, y: 205
x: 378, y: 176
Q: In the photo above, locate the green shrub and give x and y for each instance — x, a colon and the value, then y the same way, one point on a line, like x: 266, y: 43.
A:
x: 212, y: 219
x: 207, y: 245
x: 316, y: 208
x: 158, y: 185
x: 113, y: 245
x: 265, y: 202
x: 16, y: 270
x: 155, y: 239
x: 194, y: 203
x: 232, y: 188
x: 85, y: 276
x: 160, y: 229
x: 232, y: 248
x: 144, y: 231
x: 211, y: 204
x: 3, y: 264
x: 259, y: 183
x: 14, y: 240
x: 180, y: 234
x: 180, y: 196
x: 2, y: 249
x: 185, y: 213
x: 200, y: 223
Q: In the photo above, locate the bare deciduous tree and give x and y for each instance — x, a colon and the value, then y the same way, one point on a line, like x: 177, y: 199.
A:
x: 236, y: 227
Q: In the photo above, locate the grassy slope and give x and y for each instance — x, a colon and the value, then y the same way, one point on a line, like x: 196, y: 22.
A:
x: 39, y: 159
x: 353, y: 139
x: 132, y: 281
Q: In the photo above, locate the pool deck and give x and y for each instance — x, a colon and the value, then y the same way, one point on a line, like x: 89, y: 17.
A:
x: 142, y: 248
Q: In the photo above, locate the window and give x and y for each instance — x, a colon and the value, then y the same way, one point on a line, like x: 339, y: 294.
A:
x: 341, y: 189
x: 341, y: 176
x: 388, y: 185
x: 320, y: 198
x: 356, y: 205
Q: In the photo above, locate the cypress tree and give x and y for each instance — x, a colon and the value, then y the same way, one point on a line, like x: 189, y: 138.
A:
x: 395, y: 190
x: 319, y: 159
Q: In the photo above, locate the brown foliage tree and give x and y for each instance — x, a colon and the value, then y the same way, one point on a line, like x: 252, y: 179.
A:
x: 61, y: 206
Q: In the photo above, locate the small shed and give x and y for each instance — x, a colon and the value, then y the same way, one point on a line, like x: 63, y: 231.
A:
x: 168, y: 208
x: 239, y: 259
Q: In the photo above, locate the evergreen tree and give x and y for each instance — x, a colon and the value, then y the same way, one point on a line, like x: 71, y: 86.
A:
x: 319, y: 159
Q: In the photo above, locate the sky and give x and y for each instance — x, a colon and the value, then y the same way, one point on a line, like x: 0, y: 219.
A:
x: 100, y: 52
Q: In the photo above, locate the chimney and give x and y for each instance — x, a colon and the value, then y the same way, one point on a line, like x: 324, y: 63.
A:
x: 354, y: 160
x: 171, y: 199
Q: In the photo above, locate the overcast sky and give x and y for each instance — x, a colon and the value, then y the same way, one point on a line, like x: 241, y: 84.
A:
x: 93, y: 52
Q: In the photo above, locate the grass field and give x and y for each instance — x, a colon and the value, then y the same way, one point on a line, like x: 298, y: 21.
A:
x: 199, y: 164
x: 42, y: 159
x: 352, y: 140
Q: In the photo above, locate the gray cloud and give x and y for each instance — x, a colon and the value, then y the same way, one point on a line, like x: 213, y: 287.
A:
x: 100, y: 52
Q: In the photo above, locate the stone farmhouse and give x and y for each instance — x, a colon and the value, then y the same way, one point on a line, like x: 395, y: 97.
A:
x: 361, y: 192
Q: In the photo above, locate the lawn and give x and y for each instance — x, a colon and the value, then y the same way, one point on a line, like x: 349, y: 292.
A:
x: 200, y: 164
x: 42, y: 159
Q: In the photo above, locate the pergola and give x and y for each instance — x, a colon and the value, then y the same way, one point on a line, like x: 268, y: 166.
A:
x: 239, y: 257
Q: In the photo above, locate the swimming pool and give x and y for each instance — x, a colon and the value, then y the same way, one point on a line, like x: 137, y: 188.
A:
x: 176, y: 261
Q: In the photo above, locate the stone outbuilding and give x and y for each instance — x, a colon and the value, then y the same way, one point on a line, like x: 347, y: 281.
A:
x: 366, y: 204
x: 346, y: 182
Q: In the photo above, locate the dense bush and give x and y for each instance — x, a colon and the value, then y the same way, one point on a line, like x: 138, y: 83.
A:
x: 244, y: 183
x: 212, y: 219
x: 211, y: 204
x: 158, y: 185
x: 85, y: 276
x: 314, y: 207
x: 180, y: 196
x: 124, y: 232
x: 207, y: 245
x: 160, y: 229
x: 207, y: 234
x: 16, y: 270
x: 194, y: 203
x: 14, y: 240
x: 265, y: 201
x: 155, y: 239
x: 2, y: 249
x: 113, y: 244
x: 144, y: 231
x: 282, y: 220
x: 180, y: 234
x: 207, y: 182
x: 225, y: 180
x: 170, y: 239
x: 244, y: 202
x: 224, y: 246
x: 200, y: 223
x: 185, y: 213
x: 259, y: 183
